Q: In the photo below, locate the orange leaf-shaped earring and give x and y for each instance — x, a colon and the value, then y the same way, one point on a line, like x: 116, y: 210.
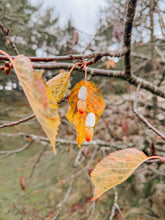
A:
x: 89, y: 126
x: 81, y: 103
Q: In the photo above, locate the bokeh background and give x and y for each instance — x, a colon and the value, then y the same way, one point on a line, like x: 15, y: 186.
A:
x: 61, y: 27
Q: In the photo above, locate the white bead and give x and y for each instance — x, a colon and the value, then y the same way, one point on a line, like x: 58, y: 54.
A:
x: 82, y: 94
x: 90, y: 120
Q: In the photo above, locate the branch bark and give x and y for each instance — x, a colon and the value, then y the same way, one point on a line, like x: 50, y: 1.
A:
x: 127, y: 35
x: 134, y: 80
x: 96, y: 56
x: 27, y: 118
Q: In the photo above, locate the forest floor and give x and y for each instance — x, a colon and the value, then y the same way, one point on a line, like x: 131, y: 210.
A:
x: 141, y: 197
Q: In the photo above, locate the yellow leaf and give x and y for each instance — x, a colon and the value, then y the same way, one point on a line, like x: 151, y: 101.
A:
x: 115, y: 169
x: 95, y: 104
x: 58, y: 85
x: 110, y: 63
x: 39, y: 96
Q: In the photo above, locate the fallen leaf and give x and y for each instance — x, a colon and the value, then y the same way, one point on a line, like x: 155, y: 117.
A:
x: 22, y: 183
x: 36, y: 191
x: 40, y: 97
x: 115, y: 169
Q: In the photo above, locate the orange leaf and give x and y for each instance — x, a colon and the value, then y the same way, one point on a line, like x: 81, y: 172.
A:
x: 39, y: 96
x: 115, y: 169
x: 110, y: 63
x: 95, y: 104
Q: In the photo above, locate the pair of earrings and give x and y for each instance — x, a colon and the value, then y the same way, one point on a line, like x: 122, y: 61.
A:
x: 90, y: 119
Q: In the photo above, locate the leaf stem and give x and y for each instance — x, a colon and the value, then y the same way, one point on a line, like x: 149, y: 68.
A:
x: 7, y: 55
x: 73, y: 67
x: 85, y: 72
x: 157, y: 157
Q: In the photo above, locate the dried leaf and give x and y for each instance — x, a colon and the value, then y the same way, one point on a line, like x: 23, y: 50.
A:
x: 115, y: 169
x: 39, y: 96
x: 152, y: 149
x: 124, y: 124
x: 30, y: 139
x: 7, y: 42
x: 22, y: 183
x: 117, y: 30
x: 58, y: 85
x: 110, y: 63
x: 94, y: 102
x: 36, y: 191
x: 75, y: 38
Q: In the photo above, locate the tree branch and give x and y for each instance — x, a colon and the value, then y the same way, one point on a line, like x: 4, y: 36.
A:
x: 97, y: 142
x: 85, y: 168
x: 37, y: 161
x: 141, y: 117
x: 17, y: 150
x: 114, y: 207
x: 127, y: 35
x: 63, y: 202
x: 6, y: 32
x: 94, y: 202
x: 96, y: 56
x: 17, y: 122
x: 27, y: 118
x: 134, y: 80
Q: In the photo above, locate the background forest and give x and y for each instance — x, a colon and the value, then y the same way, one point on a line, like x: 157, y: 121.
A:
x: 35, y: 183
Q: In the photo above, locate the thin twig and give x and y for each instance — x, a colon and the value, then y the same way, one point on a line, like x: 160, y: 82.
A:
x: 93, y: 210
x: 74, y: 56
x: 17, y: 150
x: 94, y: 202
x: 141, y: 117
x: 37, y: 161
x: 63, y: 202
x: 77, y: 159
x: 83, y: 169
x: 114, y: 204
x: 118, y: 208
x: 157, y: 172
x: 6, y: 32
x: 95, y: 143
x: 162, y: 78
x: 27, y: 118
x: 17, y: 122
x: 141, y: 65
